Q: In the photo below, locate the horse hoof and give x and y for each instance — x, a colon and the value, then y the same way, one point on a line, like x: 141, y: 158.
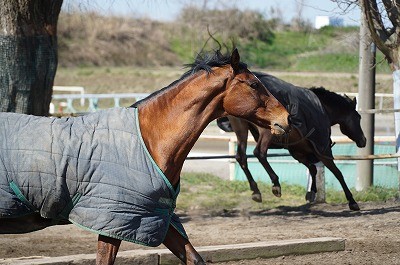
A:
x: 354, y: 206
x: 256, y: 197
x: 311, y: 196
x: 276, y: 190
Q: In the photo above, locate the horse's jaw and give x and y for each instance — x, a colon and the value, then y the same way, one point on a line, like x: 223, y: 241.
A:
x: 277, y: 129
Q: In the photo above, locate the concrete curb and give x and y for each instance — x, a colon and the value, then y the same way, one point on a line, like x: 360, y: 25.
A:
x: 209, y: 253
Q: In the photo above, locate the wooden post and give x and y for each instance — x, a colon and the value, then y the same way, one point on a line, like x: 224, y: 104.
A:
x: 321, y: 197
x: 232, y: 161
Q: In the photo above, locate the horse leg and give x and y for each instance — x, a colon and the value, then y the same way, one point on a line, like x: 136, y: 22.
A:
x: 182, y: 248
x: 349, y: 196
x: 107, y: 249
x: 241, y: 130
x: 241, y: 158
x: 302, y: 153
x: 311, y: 195
x: 261, y: 153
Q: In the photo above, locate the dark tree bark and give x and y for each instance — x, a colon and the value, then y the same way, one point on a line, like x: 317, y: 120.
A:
x: 28, y: 54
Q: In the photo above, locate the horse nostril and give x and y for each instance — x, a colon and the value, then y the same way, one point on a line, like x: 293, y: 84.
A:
x: 362, y: 142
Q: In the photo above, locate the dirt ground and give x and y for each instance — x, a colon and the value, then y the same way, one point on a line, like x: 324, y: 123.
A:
x: 372, y: 235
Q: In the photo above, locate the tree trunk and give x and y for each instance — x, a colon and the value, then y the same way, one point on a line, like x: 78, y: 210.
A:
x: 28, y: 54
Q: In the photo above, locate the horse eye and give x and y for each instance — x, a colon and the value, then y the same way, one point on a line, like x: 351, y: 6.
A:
x: 254, y: 85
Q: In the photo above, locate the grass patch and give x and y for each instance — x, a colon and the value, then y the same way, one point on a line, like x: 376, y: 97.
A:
x: 332, y: 62
x: 284, y: 50
x: 117, y: 79
x: 201, y: 191
x: 205, y: 191
x: 374, y: 193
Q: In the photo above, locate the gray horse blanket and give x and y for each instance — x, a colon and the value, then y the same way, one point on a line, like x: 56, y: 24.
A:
x: 93, y: 170
x: 307, y: 113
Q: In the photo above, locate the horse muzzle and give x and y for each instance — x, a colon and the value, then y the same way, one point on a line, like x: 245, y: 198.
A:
x: 362, y: 142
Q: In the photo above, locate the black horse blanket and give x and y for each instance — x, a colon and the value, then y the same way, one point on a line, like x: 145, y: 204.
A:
x: 93, y: 170
x: 307, y: 113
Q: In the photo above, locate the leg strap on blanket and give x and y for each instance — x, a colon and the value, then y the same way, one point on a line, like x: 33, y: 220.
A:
x: 64, y: 213
x: 20, y: 196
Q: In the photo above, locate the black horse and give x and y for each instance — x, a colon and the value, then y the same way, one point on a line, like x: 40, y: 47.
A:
x: 313, y: 112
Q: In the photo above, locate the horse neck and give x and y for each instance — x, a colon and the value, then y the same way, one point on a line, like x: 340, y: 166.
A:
x: 172, y: 121
x: 330, y: 111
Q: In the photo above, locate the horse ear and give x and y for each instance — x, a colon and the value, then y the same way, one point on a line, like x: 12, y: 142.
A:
x: 235, y: 60
x: 355, y: 101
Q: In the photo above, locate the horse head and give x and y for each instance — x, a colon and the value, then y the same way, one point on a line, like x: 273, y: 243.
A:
x: 350, y: 124
x: 246, y: 97
x: 342, y: 110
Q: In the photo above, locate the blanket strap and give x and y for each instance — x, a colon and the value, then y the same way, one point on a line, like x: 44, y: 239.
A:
x: 286, y: 144
x: 21, y: 196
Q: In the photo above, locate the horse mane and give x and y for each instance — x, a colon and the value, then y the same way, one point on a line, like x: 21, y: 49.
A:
x: 333, y: 99
x: 207, y: 60
x: 204, y: 60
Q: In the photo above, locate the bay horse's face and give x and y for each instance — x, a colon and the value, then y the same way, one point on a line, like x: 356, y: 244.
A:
x: 246, y: 97
x: 350, y: 125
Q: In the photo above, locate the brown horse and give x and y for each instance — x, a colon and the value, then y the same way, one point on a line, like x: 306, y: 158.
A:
x: 313, y: 111
x: 170, y: 122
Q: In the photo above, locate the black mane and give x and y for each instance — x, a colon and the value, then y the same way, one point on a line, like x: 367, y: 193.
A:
x: 207, y: 60
x: 333, y: 99
x: 203, y: 61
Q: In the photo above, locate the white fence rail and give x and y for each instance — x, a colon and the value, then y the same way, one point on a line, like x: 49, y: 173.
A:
x: 66, y: 101
x: 380, y: 99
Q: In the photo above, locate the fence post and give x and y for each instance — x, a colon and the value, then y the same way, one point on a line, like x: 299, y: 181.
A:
x: 396, y: 105
x: 232, y: 161
x: 366, y: 100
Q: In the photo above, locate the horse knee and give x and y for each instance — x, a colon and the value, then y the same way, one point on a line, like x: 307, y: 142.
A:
x: 256, y: 152
x: 241, y: 160
x: 260, y: 155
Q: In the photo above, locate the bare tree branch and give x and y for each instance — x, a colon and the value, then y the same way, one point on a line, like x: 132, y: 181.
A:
x: 393, y: 12
x: 375, y: 16
x: 378, y: 34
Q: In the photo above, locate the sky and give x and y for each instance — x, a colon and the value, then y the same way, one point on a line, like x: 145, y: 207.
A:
x: 164, y: 10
